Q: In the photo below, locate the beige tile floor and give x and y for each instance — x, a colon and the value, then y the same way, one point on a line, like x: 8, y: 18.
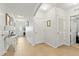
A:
x: 24, y: 48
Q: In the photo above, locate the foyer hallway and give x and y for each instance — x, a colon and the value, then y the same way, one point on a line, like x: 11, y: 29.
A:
x: 24, y: 48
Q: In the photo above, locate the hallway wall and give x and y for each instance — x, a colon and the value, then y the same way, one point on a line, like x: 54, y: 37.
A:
x: 2, y: 24
x: 3, y: 11
x: 56, y: 35
x: 5, y: 31
x: 63, y: 25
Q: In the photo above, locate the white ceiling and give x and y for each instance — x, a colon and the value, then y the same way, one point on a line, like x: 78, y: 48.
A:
x: 67, y: 6
x: 22, y: 9
x: 29, y: 9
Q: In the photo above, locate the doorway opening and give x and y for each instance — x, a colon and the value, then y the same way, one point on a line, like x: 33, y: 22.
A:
x: 74, y: 29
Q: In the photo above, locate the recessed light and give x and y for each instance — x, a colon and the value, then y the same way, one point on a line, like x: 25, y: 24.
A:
x: 45, y: 7
x: 19, y: 16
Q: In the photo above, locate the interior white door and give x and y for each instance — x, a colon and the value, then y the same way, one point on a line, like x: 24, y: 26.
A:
x: 60, y: 30
x: 73, y: 32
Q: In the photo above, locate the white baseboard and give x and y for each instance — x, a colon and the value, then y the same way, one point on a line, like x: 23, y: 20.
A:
x: 66, y: 44
x: 51, y: 45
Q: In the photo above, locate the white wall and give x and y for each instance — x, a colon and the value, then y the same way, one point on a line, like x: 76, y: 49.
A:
x: 2, y: 24
x: 30, y: 31
x: 62, y: 26
x: 4, y: 44
x: 59, y: 32
x: 63, y: 21
x: 78, y: 25
x: 51, y: 32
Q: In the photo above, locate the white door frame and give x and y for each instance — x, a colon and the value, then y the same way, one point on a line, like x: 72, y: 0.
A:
x: 72, y: 33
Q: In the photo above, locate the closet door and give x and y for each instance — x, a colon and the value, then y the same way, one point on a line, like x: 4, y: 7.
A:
x: 73, y: 32
x: 63, y: 29
x: 60, y: 30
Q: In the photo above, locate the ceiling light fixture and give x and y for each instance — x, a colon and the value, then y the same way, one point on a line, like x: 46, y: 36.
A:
x: 19, y: 16
x: 45, y: 7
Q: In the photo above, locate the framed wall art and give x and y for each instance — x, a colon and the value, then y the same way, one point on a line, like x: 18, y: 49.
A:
x: 8, y: 19
x: 49, y: 23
